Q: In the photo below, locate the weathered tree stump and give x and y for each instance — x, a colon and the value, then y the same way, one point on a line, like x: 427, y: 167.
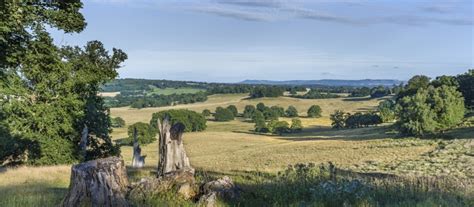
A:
x: 138, y: 161
x: 172, y: 156
x: 101, y: 182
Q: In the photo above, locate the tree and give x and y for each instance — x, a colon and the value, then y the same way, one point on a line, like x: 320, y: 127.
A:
x: 296, y: 125
x: 278, y: 111
x: 49, y: 93
x: 414, y: 84
x: 234, y: 110
x: 192, y: 121
x: 223, y: 114
x: 249, y: 111
x: 145, y: 133
x: 338, y: 119
x: 261, y: 107
x: 314, y: 111
x: 270, y: 114
x: 386, y: 110
x: 466, y: 86
x: 430, y: 111
x: 291, y: 111
x: 206, y: 113
x: 259, y: 120
x: 278, y: 127
x: 117, y: 122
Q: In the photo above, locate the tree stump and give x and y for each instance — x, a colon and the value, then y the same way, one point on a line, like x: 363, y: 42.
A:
x: 101, y: 182
x: 172, y: 156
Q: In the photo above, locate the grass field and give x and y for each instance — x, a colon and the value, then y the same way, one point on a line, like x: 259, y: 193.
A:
x: 169, y: 91
x: 232, y: 148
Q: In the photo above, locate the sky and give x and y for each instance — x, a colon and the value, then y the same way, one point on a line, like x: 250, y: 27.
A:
x: 235, y: 40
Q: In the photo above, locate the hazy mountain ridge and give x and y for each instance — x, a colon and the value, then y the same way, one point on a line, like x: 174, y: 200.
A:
x: 328, y: 82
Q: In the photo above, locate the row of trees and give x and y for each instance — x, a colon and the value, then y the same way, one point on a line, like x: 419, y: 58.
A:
x: 340, y: 119
x: 314, y: 94
x: 277, y: 127
x: 375, y: 92
x: 144, y: 101
x: 267, y: 91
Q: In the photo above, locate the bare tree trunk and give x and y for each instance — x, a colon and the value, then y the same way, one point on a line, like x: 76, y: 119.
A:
x: 172, y: 156
x: 101, y: 182
x: 137, y: 160
x: 83, y: 143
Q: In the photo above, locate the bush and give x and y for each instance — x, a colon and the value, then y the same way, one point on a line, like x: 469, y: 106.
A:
x: 296, y: 125
x: 291, y: 111
x: 314, y: 111
x: 249, y: 111
x: 386, y: 110
x: 145, y: 133
x: 192, y: 120
x: 117, y: 122
x: 223, y: 114
x: 206, y: 113
x: 233, y: 109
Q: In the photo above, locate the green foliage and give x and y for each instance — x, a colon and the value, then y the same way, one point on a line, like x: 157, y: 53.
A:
x: 278, y: 127
x: 206, y: 113
x: 145, y: 133
x: 266, y: 91
x: 270, y: 114
x: 386, y: 110
x: 296, y: 125
x: 338, y: 119
x: 234, y: 110
x: 117, y: 122
x: 358, y: 120
x: 291, y: 111
x: 49, y: 93
x: 192, y: 121
x: 466, y: 86
x: 259, y: 120
x: 223, y: 114
x: 379, y: 91
x: 139, y: 101
x: 430, y: 111
x: 314, y: 111
x: 278, y: 111
x: 249, y: 111
x: 261, y: 107
x: 360, y: 92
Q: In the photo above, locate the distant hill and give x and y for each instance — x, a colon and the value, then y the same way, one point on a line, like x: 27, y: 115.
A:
x: 327, y: 82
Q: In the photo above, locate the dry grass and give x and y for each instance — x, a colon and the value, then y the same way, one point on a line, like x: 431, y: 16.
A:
x: 109, y: 94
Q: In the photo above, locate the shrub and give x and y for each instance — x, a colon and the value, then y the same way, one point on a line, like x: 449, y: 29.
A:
x: 145, y: 133
x: 233, y: 109
x: 291, y: 111
x: 249, y: 111
x: 117, y: 122
x: 223, y: 114
x: 192, y: 120
x: 314, y: 111
x: 296, y: 125
x: 386, y: 110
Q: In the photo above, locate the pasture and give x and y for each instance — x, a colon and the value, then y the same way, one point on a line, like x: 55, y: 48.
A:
x: 232, y: 148
x: 169, y: 91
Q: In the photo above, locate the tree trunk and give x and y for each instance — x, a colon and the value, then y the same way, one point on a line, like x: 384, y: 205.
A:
x: 172, y: 156
x: 83, y: 143
x: 101, y: 182
x: 137, y: 160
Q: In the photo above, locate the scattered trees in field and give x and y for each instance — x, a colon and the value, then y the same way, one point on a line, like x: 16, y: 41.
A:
x: 278, y: 127
x: 261, y: 107
x: 275, y: 126
x: 314, y: 111
x: 296, y: 125
x: 291, y: 111
x: 386, y: 110
x: 259, y: 120
x: 233, y: 109
x: 206, y: 112
x: 117, y: 122
x: 278, y: 110
x: 315, y: 94
x: 191, y: 120
x: 223, y: 114
x: 146, y: 134
x: 338, y: 119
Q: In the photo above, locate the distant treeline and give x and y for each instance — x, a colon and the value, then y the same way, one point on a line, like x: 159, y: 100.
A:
x: 154, y: 100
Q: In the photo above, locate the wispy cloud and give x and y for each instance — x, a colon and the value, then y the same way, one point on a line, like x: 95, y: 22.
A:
x: 253, y: 3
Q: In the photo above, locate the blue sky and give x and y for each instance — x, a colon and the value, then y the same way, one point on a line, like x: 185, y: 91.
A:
x: 229, y: 41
